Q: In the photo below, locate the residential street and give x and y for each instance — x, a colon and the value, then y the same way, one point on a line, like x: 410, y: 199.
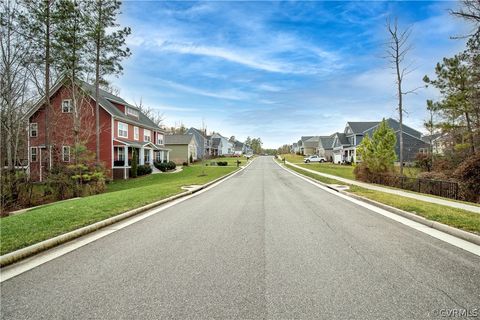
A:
x: 262, y: 245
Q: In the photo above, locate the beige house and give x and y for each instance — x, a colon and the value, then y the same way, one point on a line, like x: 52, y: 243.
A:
x: 183, y: 148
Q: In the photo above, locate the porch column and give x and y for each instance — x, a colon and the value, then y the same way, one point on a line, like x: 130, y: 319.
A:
x: 151, y: 156
x: 125, y: 163
x: 141, y: 156
x: 168, y: 155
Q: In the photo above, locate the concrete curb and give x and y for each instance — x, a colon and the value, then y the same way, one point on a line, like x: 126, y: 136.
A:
x: 12, y: 257
x: 464, y: 235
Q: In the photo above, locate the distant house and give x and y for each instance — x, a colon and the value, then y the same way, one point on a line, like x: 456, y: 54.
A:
x: 325, y: 147
x: 294, y: 148
x: 345, y: 144
x: 221, y: 145
x: 239, y: 148
x: 183, y: 148
x: 124, y: 129
x: 438, y: 142
x: 310, y: 146
x: 201, y: 141
x: 301, y: 144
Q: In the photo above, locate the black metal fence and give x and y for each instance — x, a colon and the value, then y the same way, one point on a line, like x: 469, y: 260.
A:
x: 442, y: 188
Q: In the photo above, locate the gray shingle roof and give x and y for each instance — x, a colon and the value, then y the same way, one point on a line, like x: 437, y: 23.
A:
x: 342, y: 138
x: 326, y: 142
x: 178, y: 139
x: 200, y: 132
x: 105, y: 99
x: 359, y: 127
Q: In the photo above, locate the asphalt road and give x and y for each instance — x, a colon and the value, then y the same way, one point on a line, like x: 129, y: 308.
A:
x: 262, y: 245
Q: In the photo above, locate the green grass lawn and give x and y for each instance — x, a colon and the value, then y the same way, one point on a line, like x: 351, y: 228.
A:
x: 232, y: 161
x: 330, y: 168
x: 57, y: 218
x: 458, y: 218
x: 344, y: 171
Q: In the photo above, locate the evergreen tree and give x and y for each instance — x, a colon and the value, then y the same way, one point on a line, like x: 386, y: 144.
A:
x: 109, y: 48
x: 378, y: 153
x: 39, y: 29
x: 454, y: 81
x: 70, y: 49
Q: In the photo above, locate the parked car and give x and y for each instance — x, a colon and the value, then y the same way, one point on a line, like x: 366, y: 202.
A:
x: 314, y: 158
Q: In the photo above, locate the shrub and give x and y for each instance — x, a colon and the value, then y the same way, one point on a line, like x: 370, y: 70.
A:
x: 362, y: 173
x: 185, y: 164
x: 162, y: 166
x: 469, y: 175
x: 144, y: 170
x: 171, y: 165
x: 222, y: 163
x: 423, y: 161
x: 134, y: 166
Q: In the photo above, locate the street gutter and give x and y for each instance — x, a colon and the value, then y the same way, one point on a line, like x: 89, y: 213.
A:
x: 15, y: 256
x: 464, y: 235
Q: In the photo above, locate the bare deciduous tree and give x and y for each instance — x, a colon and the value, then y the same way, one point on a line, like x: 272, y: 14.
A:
x: 153, y: 114
x: 398, y: 46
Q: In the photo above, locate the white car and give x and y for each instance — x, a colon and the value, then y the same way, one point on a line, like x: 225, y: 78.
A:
x: 314, y: 158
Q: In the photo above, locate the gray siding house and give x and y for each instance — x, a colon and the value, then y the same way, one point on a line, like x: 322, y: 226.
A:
x: 201, y: 141
x: 345, y: 144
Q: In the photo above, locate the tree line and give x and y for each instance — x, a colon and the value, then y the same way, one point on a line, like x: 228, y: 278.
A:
x: 41, y: 42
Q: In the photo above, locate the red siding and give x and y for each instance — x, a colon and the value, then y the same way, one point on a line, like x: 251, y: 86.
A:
x: 61, y: 133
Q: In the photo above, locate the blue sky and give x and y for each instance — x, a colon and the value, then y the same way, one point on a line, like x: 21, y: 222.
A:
x: 279, y: 70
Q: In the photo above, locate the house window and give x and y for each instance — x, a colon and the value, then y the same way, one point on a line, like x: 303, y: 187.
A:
x: 146, y: 158
x: 121, y: 154
x: 123, y: 130
x: 33, y: 129
x: 33, y: 154
x: 66, y: 154
x: 159, y: 138
x: 136, y: 133
x: 132, y: 112
x: 147, y: 135
x: 66, y: 106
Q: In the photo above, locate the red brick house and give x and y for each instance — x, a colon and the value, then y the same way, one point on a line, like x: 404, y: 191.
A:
x: 123, y: 128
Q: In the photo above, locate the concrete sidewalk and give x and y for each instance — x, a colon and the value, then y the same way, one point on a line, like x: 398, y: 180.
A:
x: 426, y: 198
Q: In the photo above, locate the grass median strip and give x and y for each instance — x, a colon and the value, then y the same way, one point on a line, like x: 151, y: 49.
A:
x: 46, y: 222
x: 458, y: 218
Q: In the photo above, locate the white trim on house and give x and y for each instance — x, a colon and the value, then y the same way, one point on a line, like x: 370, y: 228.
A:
x: 31, y: 154
x: 136, y: 133
x: 123, y: 130
x: 31, y: 130
x: 64, y: 148
x: 145, y: 135
x: 69, y: 106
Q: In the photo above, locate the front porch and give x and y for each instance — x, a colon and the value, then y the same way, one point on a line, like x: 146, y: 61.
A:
x: 341, y: 155
x: 147, y: 153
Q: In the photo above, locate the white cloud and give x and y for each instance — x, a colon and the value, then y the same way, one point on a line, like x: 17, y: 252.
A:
x: 230, y: 94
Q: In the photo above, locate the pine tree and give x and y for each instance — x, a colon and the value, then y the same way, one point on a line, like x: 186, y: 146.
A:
x: 109, y: 48
x: 71, y: 52
x: 378, y: 153
x: 39, y: 29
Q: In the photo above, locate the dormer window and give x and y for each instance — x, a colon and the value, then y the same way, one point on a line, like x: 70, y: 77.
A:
x: 66, y: 105
x: 132, y: 112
